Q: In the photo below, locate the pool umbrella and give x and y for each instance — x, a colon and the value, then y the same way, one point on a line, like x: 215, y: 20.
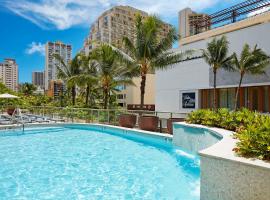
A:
x: 8, y: 96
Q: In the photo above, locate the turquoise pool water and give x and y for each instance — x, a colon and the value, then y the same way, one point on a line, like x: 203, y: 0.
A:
x: 78, y: 162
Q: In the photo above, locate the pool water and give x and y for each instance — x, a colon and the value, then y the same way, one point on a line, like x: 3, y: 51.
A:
x: 85, y: 163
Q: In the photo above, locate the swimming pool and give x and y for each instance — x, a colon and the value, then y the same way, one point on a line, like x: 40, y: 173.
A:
x: 94, y: 162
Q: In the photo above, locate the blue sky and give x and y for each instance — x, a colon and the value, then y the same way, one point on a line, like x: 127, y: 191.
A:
x: 26, y: 25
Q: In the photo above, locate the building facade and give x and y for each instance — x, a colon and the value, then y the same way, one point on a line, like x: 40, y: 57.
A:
x: 38, y: 79
x: 189, y: 85
x: 113, y: 25
x: 188, y: 23
x: 9, y: 74
x: 51, y: 63
x: 56, y: 88
x: 129, y: 96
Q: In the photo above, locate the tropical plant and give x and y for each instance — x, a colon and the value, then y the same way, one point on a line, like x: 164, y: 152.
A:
x: 87, y: 79
x: 216, y: 55
x: 251, y: 61
x: 251, y: 129
x: 254, y: 140
x: 67, y: 72
x: 27, y: 88
x: 150, y: 52
x: 4, y: 89
x: 111, y: 71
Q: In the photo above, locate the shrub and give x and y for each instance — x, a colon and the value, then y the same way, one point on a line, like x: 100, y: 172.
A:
x: 254, y: 141
x: 252, y: 129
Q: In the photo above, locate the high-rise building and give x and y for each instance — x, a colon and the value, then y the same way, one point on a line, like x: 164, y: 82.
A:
x: 189, y: 23
x: 9, y: 74
x: 56, y: 88
x: 113, y: 25
x: 51, y: 63
x: 38, y: 79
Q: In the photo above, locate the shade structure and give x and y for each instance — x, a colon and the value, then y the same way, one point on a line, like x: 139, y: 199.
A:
x: 8, y: 96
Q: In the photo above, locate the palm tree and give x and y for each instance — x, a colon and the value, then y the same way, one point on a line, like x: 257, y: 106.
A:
x: 251, y: 61
x: 87, y: 79
x: 110, y: 70
x: 149, y: 52
x: 216, y: 55
x: 67, y: 72
x: 28, y: 88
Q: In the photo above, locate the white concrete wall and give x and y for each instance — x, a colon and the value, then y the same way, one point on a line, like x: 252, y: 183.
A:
x: 179, y: 78
x: 195, y: 74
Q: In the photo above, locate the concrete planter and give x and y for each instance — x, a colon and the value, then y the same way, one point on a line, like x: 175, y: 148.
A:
x: 127, y: 120
x: 148, y: 123
x: 227, y: 176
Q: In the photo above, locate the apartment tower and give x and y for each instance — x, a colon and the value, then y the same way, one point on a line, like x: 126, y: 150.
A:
x: 9, y: 74
x: 110, y: 28
x: 113, y: 25
x: 38, y: 79
x: 51, y: 63
x: 189, y: 23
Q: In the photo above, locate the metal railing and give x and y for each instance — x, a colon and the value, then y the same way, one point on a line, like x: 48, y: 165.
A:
x: 88, y: 115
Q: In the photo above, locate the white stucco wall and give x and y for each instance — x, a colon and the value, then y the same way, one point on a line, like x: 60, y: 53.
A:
x: 195, y: 74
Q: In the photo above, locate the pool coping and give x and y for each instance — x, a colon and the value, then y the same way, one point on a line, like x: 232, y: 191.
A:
x: 148, y: 133
x: 224, y: 148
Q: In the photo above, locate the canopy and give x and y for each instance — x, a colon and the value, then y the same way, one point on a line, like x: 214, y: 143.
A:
x: 8, y: 96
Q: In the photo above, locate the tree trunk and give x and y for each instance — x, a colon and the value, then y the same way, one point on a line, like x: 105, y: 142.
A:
x: 105, y: 99
x: 143, y: 82
x: 87, y: 95
x: 237, y: 92
x: 73, y: 93
x: 215, y: 85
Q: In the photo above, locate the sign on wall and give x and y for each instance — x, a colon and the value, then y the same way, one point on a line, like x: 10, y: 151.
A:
x: 189, y: 100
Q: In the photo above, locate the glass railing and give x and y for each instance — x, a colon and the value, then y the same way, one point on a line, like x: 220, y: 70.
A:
x: 87, y: 115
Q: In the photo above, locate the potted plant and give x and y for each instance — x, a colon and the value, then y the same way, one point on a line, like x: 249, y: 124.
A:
x: 10, y: 110
x: 148, y: 123
x: 170, y: 122
x: 127, y: 120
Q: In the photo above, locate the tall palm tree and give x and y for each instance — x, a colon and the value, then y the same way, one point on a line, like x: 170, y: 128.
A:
x: 111, y: 71
x: 251, y: 61
x: 87, y: 78
x: 67, y: 72
x: 216, y: 55
x: 149, y: 51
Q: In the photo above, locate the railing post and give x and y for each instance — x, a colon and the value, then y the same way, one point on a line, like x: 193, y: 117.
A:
x: 108, y: 116
x: 92, y: 118
x: 114, y: 117
x: 98, y: 115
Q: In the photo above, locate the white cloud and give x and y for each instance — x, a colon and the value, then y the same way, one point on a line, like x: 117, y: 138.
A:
x: 260, y: 11
x: 35, y: 47
x: 63, y: 14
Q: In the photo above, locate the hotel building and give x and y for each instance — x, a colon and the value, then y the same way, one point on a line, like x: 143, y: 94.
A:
x: 110, y: 28
x: 51, y: 63
x: 9, y: 74
x: 189, y: 85
x: 188, y: 21
x: 56, y: 87
x: 38, y: 79
x: 113, y: 25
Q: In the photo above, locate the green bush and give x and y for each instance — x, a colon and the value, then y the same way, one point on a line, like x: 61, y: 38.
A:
x: 252, y: 129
